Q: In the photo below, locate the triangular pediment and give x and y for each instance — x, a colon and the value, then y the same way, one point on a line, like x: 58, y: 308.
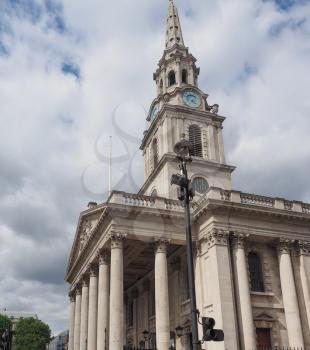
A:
x: 88, y: 221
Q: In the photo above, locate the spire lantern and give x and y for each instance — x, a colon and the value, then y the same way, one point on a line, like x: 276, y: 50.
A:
x: 174, y: 31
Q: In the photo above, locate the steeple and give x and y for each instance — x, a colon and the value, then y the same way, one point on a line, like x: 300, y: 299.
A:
x: 181, y: 108
x: 174, y: 31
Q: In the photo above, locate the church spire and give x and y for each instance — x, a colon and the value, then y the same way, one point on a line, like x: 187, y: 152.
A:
x: 174, y: 31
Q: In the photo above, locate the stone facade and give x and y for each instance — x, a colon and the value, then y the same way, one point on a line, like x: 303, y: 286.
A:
x: 127, y: 268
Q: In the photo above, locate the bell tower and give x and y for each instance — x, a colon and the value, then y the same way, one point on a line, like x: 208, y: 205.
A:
x: 181, y: 109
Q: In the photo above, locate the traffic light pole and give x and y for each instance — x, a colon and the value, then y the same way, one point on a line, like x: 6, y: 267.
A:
x: 190, y: 261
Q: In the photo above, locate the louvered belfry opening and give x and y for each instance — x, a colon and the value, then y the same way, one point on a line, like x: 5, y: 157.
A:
x: 194, y: 134
x: 155, y: 152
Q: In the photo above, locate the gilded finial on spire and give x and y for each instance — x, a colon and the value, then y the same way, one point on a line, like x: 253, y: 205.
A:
x: 174, y: 31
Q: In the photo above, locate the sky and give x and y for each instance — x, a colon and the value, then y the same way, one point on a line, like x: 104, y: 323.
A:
x: 73, y: 72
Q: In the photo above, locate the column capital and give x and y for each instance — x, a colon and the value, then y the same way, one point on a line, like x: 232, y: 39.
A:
x: 216, y: 236
x: 117, y: 239
x: 92, y: 270
x: 85, y: 280
x: 161, y: 245
x: 77, y: 289
x: 284, y: 245
x: 72, y: 295
x: 303, y: 247
x: 238, y: 240
x: 104, y: 256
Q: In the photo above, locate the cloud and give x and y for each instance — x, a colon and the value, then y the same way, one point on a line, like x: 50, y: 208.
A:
x: 72, y: 74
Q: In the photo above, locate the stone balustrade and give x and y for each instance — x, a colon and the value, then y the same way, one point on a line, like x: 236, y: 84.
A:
x: 213, y: 193
x: 256, y: 200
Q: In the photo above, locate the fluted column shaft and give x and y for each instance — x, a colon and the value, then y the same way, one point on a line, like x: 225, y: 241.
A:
x: 84, y: 316
x: 71, y: 322
x: 77, y: 320
x: 304, y: 252
x: 116, y: 292
x: 92, y: 310
x: 162, y: 296
x: 103, y: 302
x: 244, y: 306
x: 289, y: 295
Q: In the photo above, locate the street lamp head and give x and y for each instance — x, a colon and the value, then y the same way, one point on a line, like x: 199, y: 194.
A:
x: 179, y: 331
x: 183, y: 148
x: 145, y: 334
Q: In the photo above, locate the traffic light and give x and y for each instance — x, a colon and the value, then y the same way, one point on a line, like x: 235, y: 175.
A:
x: 209, y: 333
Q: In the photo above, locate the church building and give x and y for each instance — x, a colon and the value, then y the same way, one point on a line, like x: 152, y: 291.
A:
x: 127, y: 268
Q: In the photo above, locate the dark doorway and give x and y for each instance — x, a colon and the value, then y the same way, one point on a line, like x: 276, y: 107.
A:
x: 263, y: 338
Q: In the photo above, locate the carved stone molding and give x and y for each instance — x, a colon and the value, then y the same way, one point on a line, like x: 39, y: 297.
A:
x: 284, y: 245
x: 216, y: 237
x: 303, y: 248
x: 104, y: 257
x: 161, y: 245
x: 238, y: 240
x: 117, y: 239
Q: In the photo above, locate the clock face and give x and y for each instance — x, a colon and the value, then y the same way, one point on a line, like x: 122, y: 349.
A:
x: 155, y: 111
x: 191, y: 99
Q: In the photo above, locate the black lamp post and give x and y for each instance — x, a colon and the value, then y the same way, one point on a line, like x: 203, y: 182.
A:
x: 182, y: 149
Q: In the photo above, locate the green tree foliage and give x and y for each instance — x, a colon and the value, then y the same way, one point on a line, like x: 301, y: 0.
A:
x: 5, y: 323
x: 31, y: 334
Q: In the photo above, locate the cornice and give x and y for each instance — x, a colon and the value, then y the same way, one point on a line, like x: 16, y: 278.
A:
x: 209, y: 204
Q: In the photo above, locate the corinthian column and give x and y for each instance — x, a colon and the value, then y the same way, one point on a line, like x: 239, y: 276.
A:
x: 289, y: 295
x: 244, y: 306
x: 162, y: 296
x: 116, y: 293
x: 84, y: 316
x: 92, y: 309
x: 304, y: 254
x: 103, y: 301
x: 77, y: 319
x: 71, y: 324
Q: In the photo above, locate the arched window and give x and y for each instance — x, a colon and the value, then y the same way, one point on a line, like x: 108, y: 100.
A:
x: 194, y: 134
x: 155, y: 152
x: 256, y: 273
x: 184, y: 76
x: 171, y: 77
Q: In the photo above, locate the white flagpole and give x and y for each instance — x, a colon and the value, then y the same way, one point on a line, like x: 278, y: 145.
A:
x: 110, y: 165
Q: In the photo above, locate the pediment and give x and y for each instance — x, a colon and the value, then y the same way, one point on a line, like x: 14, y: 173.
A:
x: 87, y: 224
x: 264, y: 317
